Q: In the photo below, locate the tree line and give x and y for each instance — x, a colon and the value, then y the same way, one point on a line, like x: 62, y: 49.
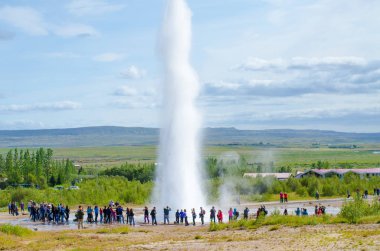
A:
x: 34, y: 168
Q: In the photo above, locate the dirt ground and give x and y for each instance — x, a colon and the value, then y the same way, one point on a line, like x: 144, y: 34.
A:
x: 174, y: 237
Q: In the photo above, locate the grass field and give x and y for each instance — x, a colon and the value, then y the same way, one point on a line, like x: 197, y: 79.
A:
x: 101, y: 157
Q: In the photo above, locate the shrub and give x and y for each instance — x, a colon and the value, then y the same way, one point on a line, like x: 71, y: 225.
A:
x: 356, y: 209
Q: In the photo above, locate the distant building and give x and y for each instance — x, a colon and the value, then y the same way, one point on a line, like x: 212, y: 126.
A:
x: 325, y: 173
x: 279, y: 176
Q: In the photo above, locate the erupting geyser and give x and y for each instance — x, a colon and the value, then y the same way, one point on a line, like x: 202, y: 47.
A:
x: 178, y: 178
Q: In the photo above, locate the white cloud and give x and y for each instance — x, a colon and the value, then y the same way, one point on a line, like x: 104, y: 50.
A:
x: 108, y: 57
x: 258, y: 64
x: 25, y: 18
x: 133, y: 72
x: 92, y: 7
x: 56, y: 106
x: 75, y: 30
x: 32, y: 22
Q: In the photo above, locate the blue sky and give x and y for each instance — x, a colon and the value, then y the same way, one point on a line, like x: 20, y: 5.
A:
x: 263, y: 64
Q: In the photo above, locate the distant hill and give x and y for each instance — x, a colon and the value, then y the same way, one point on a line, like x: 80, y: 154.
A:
x: 119, y: 136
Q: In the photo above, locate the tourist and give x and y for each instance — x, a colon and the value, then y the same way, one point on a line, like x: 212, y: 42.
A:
x: 182, y: 216
x: 212, y: 214
x: 146, y: 215
x: 304, y: 212
x: 101, y: 215
x: 246, y: 212
x: 119, y: 214
x: 285, y: 211
x: 67, y: 213
x: 317, y: 195
x: 202, y: 213
x: 230, y: 214
x: 281, y: 197
x: 298, y: 211
x: 316, y: 210
x: 285, y: 197
x: 79, y: 215
x: 126, y: 214
x: 62, y: 213
x: 236, y: 214
x: 22, y: 205
x: 89, y: 214
x: 365, y: 194
x: 177, y: 216
x: 166, y: 214
x: 220, y: 216
x: 194, y: 215
x: 153, y: 215
x: 132, y: 217
x: 185, y: 216
x: 96, y: 212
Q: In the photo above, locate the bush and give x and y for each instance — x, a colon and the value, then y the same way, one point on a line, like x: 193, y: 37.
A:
x: 354, y: 210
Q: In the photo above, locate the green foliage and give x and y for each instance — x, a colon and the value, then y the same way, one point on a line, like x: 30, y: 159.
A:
x: 15, y: 230
x: 92, y: 191
x: 141, y: 172
x: 36, y: 168
x: 354, y: 210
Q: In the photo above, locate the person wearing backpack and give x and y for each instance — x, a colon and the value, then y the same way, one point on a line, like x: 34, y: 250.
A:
x: 79, y: 215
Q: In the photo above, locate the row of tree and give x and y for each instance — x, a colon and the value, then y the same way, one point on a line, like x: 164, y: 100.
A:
x: 34, y: 168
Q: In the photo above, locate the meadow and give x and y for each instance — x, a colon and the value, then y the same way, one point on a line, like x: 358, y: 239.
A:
x: 300, y: 157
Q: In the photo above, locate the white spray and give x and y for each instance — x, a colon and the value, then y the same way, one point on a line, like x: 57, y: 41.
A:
x: 178, y: 178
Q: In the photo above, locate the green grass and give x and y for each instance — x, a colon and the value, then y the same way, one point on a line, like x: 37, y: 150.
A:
x: 276, y: 221
x: 114, y: 230
x: 15, y: 230
x: 102, y: 157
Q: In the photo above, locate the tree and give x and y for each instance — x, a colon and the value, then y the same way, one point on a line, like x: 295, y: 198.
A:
x: 52, y: 181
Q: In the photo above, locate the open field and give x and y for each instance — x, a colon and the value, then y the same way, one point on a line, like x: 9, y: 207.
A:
x: 296, y: 157
x: 319, y: 237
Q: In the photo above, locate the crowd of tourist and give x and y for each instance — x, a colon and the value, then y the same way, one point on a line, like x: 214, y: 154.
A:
x: 115, y: 213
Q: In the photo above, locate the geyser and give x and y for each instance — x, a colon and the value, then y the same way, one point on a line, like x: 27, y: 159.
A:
x: 178, y: 176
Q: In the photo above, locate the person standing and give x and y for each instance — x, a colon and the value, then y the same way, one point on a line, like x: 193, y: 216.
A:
x: 153, y: 215
x: 212, y: 214
x: 220, y: 216
x: 22, y: 206
x: 246, y: 212
x: 185, y: 215
x: 177, y: 217
x: 79, y: 214
x: 146, y: 215
x: 285, y: 197
x: 281, y: 197
x: 202, y: 215
x: 194, y: 215
x: 230, y: 215
x: 96, y: 211
x: 131, y: 217
x: 67, y: 213
x: 166, y: 214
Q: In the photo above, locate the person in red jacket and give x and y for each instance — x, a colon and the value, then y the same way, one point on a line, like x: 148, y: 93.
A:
x: 220, y: 216
x: 285, y: 197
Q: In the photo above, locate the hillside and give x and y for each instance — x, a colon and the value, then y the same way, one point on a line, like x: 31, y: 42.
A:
x: 119, y: 136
